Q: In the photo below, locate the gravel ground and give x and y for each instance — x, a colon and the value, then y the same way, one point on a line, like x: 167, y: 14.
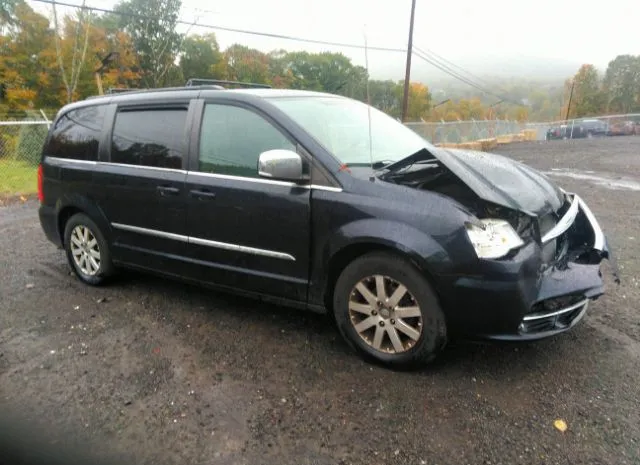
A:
x: 161, y: 372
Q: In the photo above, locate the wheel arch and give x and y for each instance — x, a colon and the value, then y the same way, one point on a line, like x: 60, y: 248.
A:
x: 417, y: 247
x: 68, y: 206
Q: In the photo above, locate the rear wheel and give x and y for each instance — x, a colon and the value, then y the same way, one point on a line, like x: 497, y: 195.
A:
x: 87, y: 250
x: 388, y: 312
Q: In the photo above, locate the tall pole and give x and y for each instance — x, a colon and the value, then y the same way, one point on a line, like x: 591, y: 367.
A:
x: 570, y: 97
x: 407, y: 75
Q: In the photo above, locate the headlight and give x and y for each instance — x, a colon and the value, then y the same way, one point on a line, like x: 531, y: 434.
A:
x: 494, y: 240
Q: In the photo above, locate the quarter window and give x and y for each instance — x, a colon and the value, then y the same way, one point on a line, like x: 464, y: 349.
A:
x: 76, y: 134
x: 149, y: 137
x: 232, y: 139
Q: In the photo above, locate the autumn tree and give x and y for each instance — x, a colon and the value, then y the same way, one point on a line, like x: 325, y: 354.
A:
x: 587, y: 98
x: 419, y: 101
x: 245, y: 64
x: 27, y: 61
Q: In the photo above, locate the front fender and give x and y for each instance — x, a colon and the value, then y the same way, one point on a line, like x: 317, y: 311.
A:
x: 423, y: 249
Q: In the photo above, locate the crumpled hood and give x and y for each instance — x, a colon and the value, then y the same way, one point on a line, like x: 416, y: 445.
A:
x: 502, y: 181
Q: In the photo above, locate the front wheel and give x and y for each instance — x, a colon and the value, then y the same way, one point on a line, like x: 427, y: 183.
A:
x: 87, y: 250
x: 387, y: 311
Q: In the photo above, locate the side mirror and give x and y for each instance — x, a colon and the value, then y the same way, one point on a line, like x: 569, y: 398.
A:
x: 283, y: 165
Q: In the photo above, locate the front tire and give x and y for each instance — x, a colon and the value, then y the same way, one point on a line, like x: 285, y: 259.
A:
x: 87, y: 250
x: 387, y: 311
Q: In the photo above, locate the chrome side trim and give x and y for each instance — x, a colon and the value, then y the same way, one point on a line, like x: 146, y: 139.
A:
x: 316, y: 187
x: 242, y: 178
x: 205, y: 242
x: 142, y: 167
x: 241, y: 248
x: 565, y: 222
x: 573, y: 307
x: 58, y: 161
x: 151, y: 232
x: 598, y: 242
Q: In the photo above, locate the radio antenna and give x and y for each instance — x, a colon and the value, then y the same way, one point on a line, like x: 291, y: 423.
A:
x: 366, y: 64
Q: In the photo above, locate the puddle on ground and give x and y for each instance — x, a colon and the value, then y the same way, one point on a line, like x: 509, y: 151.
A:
x: 608, y: 183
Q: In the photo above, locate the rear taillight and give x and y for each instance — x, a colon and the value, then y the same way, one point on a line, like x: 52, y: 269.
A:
x: 40, y: 181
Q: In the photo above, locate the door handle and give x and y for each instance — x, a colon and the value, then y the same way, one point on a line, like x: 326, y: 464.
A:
x: 168, y: 190
x: 202, y: 194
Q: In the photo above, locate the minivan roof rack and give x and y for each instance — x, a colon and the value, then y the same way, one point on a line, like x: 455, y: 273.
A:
x: 158, y: 89
x: 119, y: 90
x: 218, y: 82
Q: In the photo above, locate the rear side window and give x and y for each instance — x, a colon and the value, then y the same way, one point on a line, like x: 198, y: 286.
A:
x: 232, y: 139
x: 149, y: 137
x: 76, y: 134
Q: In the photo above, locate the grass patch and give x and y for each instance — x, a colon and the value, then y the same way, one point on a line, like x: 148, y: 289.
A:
x: 17, y: 178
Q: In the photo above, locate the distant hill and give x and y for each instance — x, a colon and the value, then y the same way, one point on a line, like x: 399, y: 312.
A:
x: 484, y: 66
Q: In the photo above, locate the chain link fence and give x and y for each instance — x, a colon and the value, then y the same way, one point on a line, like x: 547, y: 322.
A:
x: 21, y: 144
x: 456, y: 132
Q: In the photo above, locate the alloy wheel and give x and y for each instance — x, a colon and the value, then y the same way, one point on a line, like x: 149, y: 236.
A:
x: 85, y: 250
x: 385, y: 314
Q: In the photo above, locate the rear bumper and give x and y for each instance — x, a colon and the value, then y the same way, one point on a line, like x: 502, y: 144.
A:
x: 525, y: 299
x: 49, y: 223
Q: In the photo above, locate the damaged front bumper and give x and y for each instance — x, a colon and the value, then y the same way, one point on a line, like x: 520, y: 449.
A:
x: 523, y: 298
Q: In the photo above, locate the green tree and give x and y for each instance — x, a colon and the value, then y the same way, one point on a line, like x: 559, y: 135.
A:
x: 622, y: 84
x: 201, y: 58
x: 152, y: 27
x: 385, y: 96
x: 72, y: 54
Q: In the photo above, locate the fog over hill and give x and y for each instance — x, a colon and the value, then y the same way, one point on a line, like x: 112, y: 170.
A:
x: 487, y: 67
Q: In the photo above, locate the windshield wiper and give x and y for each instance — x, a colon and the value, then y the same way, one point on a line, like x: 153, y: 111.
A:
x: 376, y: 165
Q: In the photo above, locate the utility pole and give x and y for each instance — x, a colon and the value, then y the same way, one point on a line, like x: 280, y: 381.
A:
x: 570, y: 97
x: 407, y: 75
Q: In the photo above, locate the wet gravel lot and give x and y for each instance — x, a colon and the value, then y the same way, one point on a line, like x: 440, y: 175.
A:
x: 163, y: 372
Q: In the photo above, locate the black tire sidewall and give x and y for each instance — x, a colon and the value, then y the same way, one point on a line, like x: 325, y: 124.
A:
x: 434, y: 334
x: 106, y: 267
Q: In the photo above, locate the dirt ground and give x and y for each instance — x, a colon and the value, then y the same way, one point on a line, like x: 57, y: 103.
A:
x: 161, y: 372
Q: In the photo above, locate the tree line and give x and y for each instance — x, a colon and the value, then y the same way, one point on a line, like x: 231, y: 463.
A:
x: 616, y: 92
x: 46, y: 64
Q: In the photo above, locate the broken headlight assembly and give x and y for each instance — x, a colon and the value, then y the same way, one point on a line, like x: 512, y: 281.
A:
x: 493, y: 238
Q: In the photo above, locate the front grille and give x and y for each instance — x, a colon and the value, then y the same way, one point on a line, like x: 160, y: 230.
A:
x: 553, y: 314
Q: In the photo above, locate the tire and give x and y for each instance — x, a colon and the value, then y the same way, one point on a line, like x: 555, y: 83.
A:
x: 79, y: 247
x: 589, y: 135
x: 375, y: 343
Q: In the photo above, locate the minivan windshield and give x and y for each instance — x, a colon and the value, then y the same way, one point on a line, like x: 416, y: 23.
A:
x: 342, y: 126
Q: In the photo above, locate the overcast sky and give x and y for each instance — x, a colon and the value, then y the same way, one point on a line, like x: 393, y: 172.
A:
x: 465, y: 30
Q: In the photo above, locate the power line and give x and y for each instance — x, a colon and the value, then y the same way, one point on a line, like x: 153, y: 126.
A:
x: 448, y: 70
x: 460, y: 69
x: 228, y: 29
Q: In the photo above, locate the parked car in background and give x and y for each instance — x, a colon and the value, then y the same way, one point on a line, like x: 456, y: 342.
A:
x: 623, y: 128
x: 578, y: 129
x: 319, y: 202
